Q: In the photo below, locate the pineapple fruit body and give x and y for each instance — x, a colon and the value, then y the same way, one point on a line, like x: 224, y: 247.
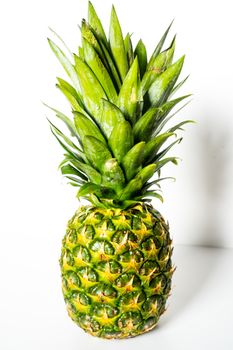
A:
x: 116, y: 269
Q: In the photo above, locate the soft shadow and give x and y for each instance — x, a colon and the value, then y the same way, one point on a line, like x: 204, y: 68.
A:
x: 195, y: 266
x: 214, y: 145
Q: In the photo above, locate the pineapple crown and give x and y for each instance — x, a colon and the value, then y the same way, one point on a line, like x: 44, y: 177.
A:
x: 121, y: 103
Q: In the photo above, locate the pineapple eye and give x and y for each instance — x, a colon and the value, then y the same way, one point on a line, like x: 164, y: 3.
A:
x: 89, y: 231
x: 154, y: 305
x: 88, y: 274
x: 109, y: 266
x: 101, y: 310
x: 159, y: 282
x: 137, y: 223
x: 103, y: 290
x: 88, y: 323
x: 82, y: 253
x: 102, y: 246
x: 135, y: 255
x: 69, y: 258
x: 128, y: 279
x: 159, y: 229
x: 150, y: 267
x: 133, y: 298
x: 73, y: 278
x: 110, y: 226
x: 129, y: 319
x: 81, y: 298
x: 72, y: 236
x: 99, y: 216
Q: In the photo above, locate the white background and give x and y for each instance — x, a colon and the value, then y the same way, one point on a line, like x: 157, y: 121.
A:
x: 36, y: 203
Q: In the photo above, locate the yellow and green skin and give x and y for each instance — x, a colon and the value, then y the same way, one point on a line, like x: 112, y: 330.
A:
x: 116, y: 255
x: 116, y: 270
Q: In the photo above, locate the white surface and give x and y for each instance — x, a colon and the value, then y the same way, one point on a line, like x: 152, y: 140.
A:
x: 199, y: 205
x: 199, y: 315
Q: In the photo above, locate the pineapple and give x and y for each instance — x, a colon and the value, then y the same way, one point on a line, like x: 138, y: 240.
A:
x: 116, y: 254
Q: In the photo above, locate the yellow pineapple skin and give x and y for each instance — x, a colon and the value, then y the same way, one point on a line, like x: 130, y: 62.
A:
x: 116, y: 269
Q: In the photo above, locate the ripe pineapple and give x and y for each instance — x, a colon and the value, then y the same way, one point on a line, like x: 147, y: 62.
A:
x: 116, y: 255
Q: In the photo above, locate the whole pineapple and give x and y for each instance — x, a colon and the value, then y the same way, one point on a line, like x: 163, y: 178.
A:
x: 116, y: 255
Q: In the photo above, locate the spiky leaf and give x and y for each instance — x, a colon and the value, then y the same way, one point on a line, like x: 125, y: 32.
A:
x: 97, y: 153
x: 92, y: 96
x: 163, y: 85
x: 110, y: 117
x: 121, y: 140
x: 95, y: 23
x: 85, y: 127
x: 140, y: 52
x: 132, y: 162
x: 117, y: 45
x: 95, y: 63
x: 159, y: 46
x: 128, y: 96
x: 129, y: 49
x: 153, y: 146
x: 65, y: 62
x: 158, y: 65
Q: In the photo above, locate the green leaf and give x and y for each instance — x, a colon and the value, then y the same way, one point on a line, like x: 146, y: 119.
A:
x: 128, y: 96
x: 66, y: 86
x: 96, y: 152
x: 178, y: 126
x: 111, y: 67
x: 117, y: 45
x: 143, y: 128
x: 132, y: 161
x: 132, y: 188
x: 91, y: 173
x: 88, y: 34
x: 146, y: 173
x: 178, y: 86
x: 95, y: 201
x: 68, y: 169
x: 61, y: 40
x: 152, y: 147
x: 69, y: 123
x: 149, y: 123
x: 163, y: 85
x: 140, y: 52
x: 96, y: 24
x: 113, y: 176
x: 72, y: 100
x: 155, y: 182
x: 95, y: 63
x: 92, y: 96
x: 65, y: 62
x: 163, y: 121
x: 66, y: 148
x: 110, y: 117
x: 121, y: 140
x: 164, y: 110
x: 85, y: 127
x: 162, y: 153
x: 129, y: 49
x: 159, y: 46
x: 150, y: 194
x: 158, y: 65
x: 81, y: 53
x: 164, y: 161
x: 98, y: 190
x: 64, y: 137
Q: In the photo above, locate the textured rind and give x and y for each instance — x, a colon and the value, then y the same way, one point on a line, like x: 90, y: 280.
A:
x: 116, y: 270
